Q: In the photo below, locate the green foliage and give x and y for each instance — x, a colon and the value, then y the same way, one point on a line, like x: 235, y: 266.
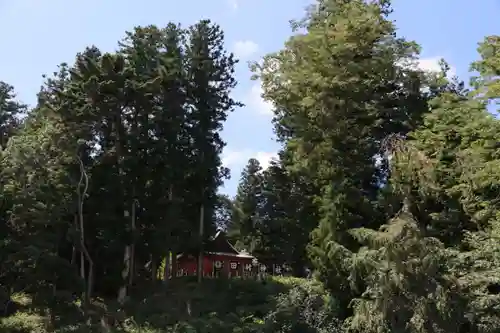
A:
x: 379, y: 140
x: 305, y: 308
x: 386, y: 185
x: 245, y: 219
x: 112, y: 169
x: 404, y: 270
x: 289, y: 214
x: 334, y: 115
x: 10, y: 112
x: 233, y: 306
x: 22, y: 323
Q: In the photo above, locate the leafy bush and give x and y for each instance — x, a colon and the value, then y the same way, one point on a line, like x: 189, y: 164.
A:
x: 276, y: 305
x: 22, y: 323
x: 306, y: 308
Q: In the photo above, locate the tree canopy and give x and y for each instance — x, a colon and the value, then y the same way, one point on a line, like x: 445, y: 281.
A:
x: 386, y: 186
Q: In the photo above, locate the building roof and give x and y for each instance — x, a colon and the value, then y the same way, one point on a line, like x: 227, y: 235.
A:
x: 220, y: 245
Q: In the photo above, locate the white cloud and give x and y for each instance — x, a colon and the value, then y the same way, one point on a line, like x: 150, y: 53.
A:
x: 257, y: 103
x: 231, y: 158
x: 237, y: 159
x: 432, y: 65
x: 243, y: 49
x: 265, y: 158
x: 233, y: 4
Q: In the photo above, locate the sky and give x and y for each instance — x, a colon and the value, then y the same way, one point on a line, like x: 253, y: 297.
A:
x: 40, y: 34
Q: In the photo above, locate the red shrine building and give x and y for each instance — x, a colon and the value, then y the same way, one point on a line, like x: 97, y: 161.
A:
x: 221, y: 259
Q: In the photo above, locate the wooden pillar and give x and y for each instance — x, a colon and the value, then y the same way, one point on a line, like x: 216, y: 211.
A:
x: 227, y: 269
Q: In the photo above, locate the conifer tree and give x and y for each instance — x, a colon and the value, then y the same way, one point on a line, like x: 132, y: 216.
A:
x: 339, y: 89
x: 209, y: 71
x: 288, y: 215
x: 246, y: 207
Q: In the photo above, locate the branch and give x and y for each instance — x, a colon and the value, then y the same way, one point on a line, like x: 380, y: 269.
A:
x: 81, y: 200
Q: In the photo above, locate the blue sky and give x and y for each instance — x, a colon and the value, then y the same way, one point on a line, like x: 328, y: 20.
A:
x: 38, y: 35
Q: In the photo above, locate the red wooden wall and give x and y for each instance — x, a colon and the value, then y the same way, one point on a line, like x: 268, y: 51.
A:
x: 187, y: 265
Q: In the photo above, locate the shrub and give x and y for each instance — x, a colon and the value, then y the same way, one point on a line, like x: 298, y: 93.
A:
x: 22, y: 323
x: 306, y: 308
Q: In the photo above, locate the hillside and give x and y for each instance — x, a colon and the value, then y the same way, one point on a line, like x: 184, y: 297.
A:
x: 215, y: 306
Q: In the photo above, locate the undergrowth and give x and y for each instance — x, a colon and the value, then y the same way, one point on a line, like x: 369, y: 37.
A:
x: 279, y: 304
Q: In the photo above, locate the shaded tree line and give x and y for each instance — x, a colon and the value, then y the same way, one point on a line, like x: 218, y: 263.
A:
x: 387, y: 181
x: 116, y: 168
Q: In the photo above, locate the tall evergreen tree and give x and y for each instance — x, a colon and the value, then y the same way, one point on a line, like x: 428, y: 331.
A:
x: 157, y: 54
x: 209, y: 70
x: 288, y: 216
x: 10, y: 112
x: 246, y: 207
x: 334, y: 107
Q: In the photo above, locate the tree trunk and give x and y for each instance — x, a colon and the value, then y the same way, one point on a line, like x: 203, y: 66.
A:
x: 118, y: 126
x: 174, y: 264
x: 73, y: 255
x: 154, y: 269
x: 132, y: 246
x: 82, y: 265
x: 84, y: 254
x: 122, y: 293
x: 200, y: 255
x: 166, y: 269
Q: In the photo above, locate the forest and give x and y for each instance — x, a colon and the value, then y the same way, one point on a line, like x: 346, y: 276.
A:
x: 386, y: 188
